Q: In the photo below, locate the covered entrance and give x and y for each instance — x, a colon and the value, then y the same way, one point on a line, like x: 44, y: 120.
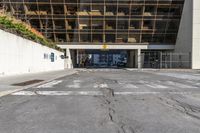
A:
x: 117, y: 56
x: 100, y: 58
x: 156, y: 59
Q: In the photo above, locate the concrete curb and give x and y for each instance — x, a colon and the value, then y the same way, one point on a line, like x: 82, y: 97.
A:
x: 5, y: 93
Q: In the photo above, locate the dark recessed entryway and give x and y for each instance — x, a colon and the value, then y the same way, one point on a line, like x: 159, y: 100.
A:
x: 100, y: 58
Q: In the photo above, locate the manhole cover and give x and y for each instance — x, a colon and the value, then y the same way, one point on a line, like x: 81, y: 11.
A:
x: 27, y: 82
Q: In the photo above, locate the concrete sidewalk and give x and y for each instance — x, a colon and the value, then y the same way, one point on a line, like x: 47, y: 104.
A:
x: 7, y: 87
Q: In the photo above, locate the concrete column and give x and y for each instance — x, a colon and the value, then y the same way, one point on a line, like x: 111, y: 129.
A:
x: 68, y: 60
x: 131, y: 59
x: 170, y: 60
x: 161, y: 61
x: 139, y: 58
x: 77, y: 57
x: 196, y: 35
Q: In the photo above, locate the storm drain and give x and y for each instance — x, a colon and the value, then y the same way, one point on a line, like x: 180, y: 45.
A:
x: 30, y: 82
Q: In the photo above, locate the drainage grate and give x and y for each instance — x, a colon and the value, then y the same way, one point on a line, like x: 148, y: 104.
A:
x: 28, y: 82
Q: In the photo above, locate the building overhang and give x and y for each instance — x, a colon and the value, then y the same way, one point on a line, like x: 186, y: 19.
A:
x: 119, y: 47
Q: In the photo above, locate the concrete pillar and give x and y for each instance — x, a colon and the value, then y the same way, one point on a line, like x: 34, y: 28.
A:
x: 131, y: 59
x: 68, y: 60
x: 196, y: 35
x: 139, y: 58
x: 77, y: 57
x: 170, y: 60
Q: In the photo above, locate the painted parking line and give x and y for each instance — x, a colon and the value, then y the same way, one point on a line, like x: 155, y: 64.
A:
x: 181, y: 76
x: 58, y: 93
x: 127, y: 85
x: 68, y: 93
x: 136, y: 93
x: 103, y: 85
x: 24, y: 93
x: 153, y: 85
x: 50, y: 84
x: 156, y: 86
x: 102, y: 70
x: 180, y: 85
x: 91, y: 93
x: 76, y: 84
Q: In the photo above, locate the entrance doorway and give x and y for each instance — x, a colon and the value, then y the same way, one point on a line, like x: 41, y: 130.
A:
x: 101, y: 59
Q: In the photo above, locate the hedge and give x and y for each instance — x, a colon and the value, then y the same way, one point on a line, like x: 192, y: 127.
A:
x: 10, y: 24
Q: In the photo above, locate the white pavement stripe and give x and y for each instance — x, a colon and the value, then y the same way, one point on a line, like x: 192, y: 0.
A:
x: 128, y: 86
x: 76, y: 84
x: 77, y: 81
x: 50, y: 84
x: 58, y: 93
x: 96, y: 85
x: 91, y: 93
x: 181, y: 76
x: 180, y: 85
x: 153, y: 93
x: 156, y: 86
x: 24, y: 93
x: 68, y: 93
x: 135, y: 93
x: 104, y: 85
x: 153, y: 85
x: 101, y: 70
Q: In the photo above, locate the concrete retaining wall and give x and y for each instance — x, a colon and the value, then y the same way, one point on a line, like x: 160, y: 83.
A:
x: 20, y: 56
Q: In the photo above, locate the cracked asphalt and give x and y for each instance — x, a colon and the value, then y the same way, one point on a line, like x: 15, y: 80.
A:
x: 107, y: 101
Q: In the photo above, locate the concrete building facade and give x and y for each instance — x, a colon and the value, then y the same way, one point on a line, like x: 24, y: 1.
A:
x: 188, y: 39
x: 155, y: 33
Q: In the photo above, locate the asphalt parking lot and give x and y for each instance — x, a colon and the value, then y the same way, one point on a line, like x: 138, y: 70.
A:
x: 107, y: 101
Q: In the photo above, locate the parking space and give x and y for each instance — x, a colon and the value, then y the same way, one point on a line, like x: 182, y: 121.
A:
x: 107, y: 100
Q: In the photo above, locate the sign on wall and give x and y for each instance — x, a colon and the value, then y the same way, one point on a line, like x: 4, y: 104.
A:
x: 52, y: 57
x: 105, y: 47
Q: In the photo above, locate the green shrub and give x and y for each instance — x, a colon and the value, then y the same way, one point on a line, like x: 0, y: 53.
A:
x: 7, y: 23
